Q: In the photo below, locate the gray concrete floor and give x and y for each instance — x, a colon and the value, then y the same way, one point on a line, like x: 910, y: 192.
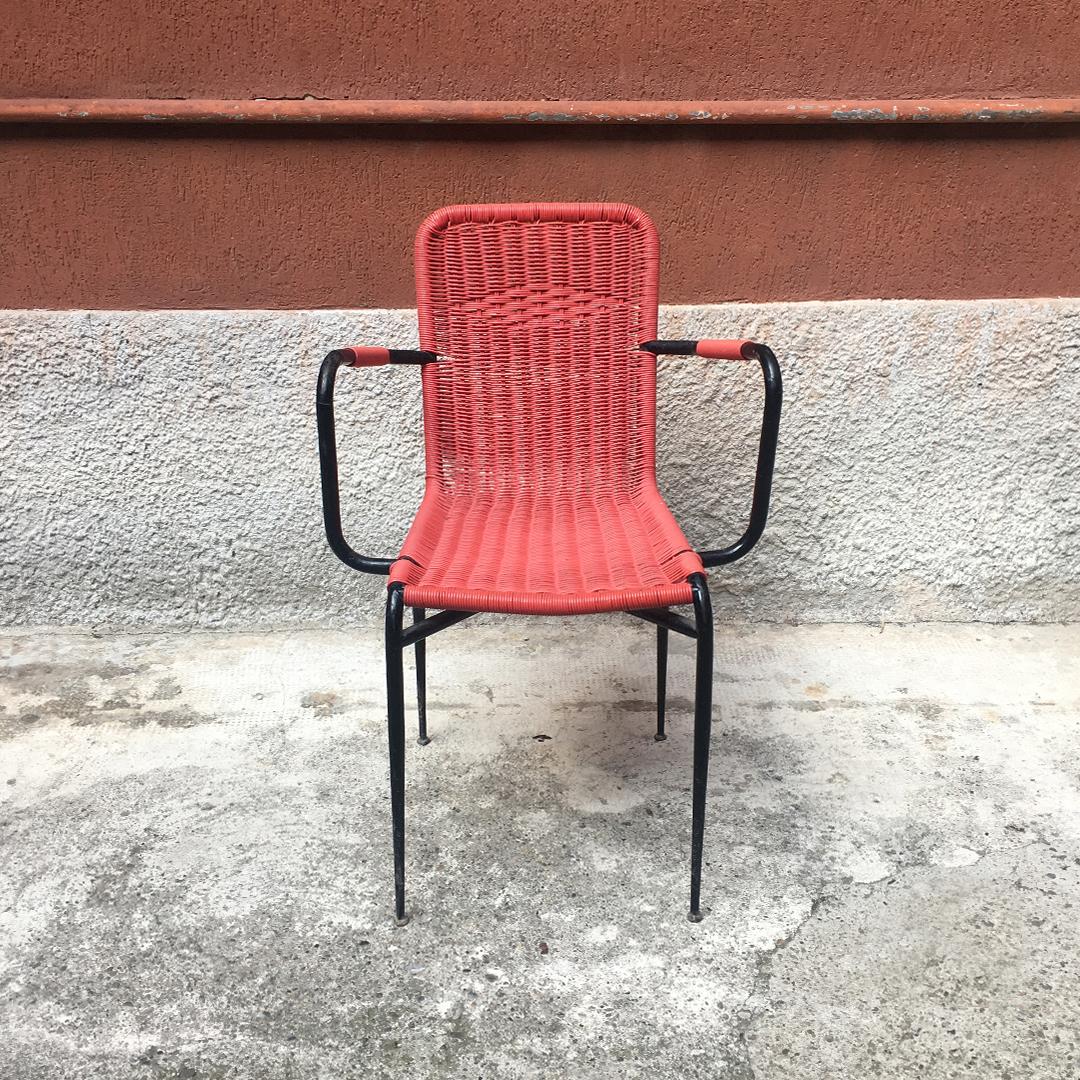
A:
x: 195, y: 877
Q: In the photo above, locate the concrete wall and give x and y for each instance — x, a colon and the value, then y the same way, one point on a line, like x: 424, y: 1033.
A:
x: 160, y: 467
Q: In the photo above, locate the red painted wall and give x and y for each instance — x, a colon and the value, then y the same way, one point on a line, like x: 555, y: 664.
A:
x: 510, y: 49
x: 307, y: 217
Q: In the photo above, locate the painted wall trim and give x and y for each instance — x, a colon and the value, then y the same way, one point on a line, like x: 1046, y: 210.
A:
x: 398, y: 111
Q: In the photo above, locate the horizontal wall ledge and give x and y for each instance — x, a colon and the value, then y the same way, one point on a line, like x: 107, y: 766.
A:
x: 399, y: 111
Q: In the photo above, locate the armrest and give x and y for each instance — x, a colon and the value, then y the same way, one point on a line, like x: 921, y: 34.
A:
x: 770, y: 430
x: 708, y: 348
x: 373, y: 356
x: 356, y: 356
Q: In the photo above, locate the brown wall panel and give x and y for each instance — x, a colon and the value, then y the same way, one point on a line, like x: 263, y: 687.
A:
x: 293, y: 218
x: 503, y: 49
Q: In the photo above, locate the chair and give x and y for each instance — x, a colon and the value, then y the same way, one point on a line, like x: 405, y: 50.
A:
x: 538, y: 368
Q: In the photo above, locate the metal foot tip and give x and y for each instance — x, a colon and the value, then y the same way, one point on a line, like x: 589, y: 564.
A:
x: 660, y: 737
x: 402, y: 920
x: 423, y: 740
x: 695, y: 916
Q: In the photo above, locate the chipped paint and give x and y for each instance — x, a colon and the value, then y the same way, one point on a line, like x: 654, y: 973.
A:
x: 1004, y: 113
x: 864, y: 115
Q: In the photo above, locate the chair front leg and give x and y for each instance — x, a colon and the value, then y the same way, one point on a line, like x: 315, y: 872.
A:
x: 395, y: 717
x: 703, y: 686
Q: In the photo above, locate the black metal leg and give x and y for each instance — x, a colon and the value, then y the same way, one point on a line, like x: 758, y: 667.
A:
x: 395, y: 716
x: 661, y: 681
x: 703, y: 680
x: 418, y: 615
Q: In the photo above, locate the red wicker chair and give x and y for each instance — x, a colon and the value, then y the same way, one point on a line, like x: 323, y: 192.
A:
x: 538, y: 355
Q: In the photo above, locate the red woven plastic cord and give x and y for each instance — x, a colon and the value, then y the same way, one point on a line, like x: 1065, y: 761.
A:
x: 539, y: 419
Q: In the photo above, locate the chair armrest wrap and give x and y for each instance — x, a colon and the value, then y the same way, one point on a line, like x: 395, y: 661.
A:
x: 375, y: 356
x: 725, y: 350
x: 707, y: 348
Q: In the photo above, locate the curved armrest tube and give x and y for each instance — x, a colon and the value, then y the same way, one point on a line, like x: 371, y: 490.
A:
x: 770, y: 429
x: 763, y: 475
x: 374, y: 356
x: 709, y: 348
x: 328, y: 469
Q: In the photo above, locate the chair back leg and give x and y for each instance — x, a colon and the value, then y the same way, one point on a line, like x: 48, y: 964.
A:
x: 661, y: 681
x: 395, y: 719
x: 418, y: 615
x: 703, y: 685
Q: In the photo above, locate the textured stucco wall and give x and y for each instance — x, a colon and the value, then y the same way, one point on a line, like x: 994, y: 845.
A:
x: 120, y: 218
x: 159, y: 468
x: 506, y: 49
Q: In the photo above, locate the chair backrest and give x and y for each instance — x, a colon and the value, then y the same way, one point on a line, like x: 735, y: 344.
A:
x: 537, y: 310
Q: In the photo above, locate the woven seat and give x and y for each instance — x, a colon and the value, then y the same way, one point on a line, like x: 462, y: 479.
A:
x: 546, y: 555
x: 539, y: 416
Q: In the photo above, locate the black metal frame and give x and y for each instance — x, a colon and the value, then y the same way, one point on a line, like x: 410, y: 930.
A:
x: 398, y: 637
x: 770, y: 433
x: 328, y: 470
